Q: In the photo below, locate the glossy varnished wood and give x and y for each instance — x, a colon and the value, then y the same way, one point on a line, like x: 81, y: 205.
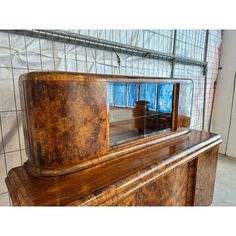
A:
x: 166, y: 169
x: 67, y: 121
x: 72, y: 160
x: 205, y: 178
x: 170, y: 190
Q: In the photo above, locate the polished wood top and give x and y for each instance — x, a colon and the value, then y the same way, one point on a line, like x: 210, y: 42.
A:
x: 69, y: 76
x: 81, y: 187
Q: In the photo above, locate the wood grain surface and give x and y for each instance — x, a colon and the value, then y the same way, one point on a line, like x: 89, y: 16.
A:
x: 110, y: 183
x: 67, y: 121
x: 71, y: 161
x: 205, y: 177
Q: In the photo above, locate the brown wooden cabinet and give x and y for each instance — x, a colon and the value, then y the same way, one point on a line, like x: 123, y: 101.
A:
x: 88, y: 148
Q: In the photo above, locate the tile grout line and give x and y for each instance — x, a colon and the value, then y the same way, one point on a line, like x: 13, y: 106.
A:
x: 14, y: 94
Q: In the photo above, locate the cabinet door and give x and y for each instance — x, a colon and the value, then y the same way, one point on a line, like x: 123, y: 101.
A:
x: 175, y: 188
x: 205, y: 178
x: 168, y: 190
x: 189, y: 184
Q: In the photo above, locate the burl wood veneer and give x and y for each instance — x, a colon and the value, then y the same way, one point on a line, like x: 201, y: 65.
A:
x: 72, y: 161
x: 66, y: 120
x: 164, y: 174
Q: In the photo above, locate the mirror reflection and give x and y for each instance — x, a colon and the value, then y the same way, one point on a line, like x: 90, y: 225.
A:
x: 139, y: 109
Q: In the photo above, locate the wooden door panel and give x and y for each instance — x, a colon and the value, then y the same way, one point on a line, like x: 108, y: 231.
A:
x: 205, y: 178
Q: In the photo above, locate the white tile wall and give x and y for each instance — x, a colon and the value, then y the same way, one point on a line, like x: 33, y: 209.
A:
x: 24, y: 156
x: 1, y: 145
x: 10, y: 131
x: 23, y: 143
x: 3, y: 187
x: 7, y: 101
x: 4, y: 50
x: 13, y: 159
x: 4, y: 199
x: 18, y: 51
x: 33, y: 53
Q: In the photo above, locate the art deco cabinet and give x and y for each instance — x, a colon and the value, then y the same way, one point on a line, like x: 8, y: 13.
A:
x: 112, y: 141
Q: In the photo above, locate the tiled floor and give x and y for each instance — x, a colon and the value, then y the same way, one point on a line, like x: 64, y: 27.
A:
x: 225, y: 186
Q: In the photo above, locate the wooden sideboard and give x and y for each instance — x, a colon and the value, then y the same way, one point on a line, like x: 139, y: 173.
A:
x: 85, y: 149
x: 176, y: 172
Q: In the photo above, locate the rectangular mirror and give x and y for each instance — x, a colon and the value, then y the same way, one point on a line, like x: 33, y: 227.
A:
x: 137, y: 110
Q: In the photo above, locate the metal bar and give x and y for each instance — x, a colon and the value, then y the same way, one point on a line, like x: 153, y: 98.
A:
x: 156, y: 98
x: 127, y: 94
x: 139, y: 88
x: 173, y: 61
x: 205, y: 79
x: 87, y: 41
x: 214, y: 91
x: 231, y: 111
x: 212, y: 104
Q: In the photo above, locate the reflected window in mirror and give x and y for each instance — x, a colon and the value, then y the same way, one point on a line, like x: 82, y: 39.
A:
x: 138, y: 110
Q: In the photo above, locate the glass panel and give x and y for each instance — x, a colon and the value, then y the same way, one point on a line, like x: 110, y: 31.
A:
x: 185, y: 104
x: 139, y: 116
x: 132, y: 94
x: 120, y: 94
x: 111, y: 94
x: 147, y: 93
x: 165, y: 97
